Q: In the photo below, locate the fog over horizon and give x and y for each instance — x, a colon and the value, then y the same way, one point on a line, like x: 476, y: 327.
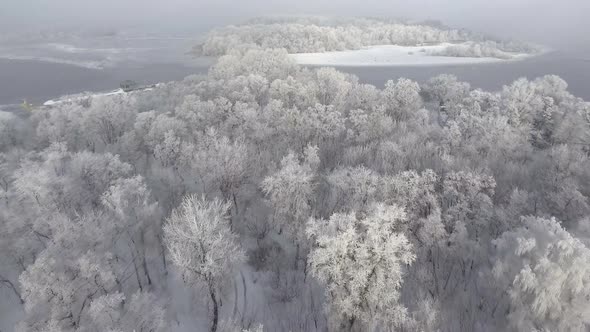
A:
x: 557, y: 24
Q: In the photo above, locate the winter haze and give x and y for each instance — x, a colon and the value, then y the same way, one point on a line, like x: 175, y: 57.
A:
x: 558, y: 23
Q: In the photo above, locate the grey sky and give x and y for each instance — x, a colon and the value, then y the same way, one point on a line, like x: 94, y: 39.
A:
x: 556, y: 22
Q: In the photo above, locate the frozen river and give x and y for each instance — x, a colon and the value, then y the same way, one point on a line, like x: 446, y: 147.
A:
x: 573, y: 68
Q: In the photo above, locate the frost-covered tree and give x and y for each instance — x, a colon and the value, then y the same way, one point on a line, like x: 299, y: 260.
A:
x: 532, y: 103
x: 305, y: 34
x: 362, y: 260
x: 107, y: 119
x: 366, y: 126
x: 202, y: 246
x: 293, y: 93
x: 76, y: 267
x: 556, y: 181
x: 168, y: 141
x: 363, y: 96
x: 223, y: 165
x: 402, y: 98
x: 56, y: 179
x: 142, y: 312
x: 13, y: 131
x: 93, y: 123
x: 351, y: 189
x: 467, y: 199
x: 61, y: 124
x: 316, y: 125
x: 332, y: 86
x: 417, y: 192
x: 84, y: 183
x: 269, y: 63
x: 543, y: 276
x: 290, y: 191
x: 489, y: 49
x: 447, y: 92
x: 137, y: 216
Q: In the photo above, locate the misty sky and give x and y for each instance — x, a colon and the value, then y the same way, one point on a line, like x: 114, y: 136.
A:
x: 555, y: 22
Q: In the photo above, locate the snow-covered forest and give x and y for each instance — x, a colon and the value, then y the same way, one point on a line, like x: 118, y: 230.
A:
x: 266, y: 196
x: 321, y: 34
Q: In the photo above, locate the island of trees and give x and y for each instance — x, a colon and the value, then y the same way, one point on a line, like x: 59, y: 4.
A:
x: 267, y: 196
x: 320, y: 34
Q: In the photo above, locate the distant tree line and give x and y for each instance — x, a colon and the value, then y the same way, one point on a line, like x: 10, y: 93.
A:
x: 305, y: 35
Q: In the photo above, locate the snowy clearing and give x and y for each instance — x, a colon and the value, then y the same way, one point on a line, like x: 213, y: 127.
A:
x: 62, y: 100
x: 393, y: 55
x: 81, y: 96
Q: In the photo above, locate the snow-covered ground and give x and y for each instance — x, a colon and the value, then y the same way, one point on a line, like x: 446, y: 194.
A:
x: 78, y: 97
x: 62, y: 100
x: 392, y: 55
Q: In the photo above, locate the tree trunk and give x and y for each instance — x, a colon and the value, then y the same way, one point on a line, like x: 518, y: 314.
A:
x: 244, y: 296
x: 145, y: 268
x: 215, y: 308
x: 235, y: 204
x: 143, y: 259
x: 347, y: 325
x: 163, y: 253
x: 236, y: 296
x: 440, y: 110
x: 134, y: 261
x: 305, y: 263
x: 297, y: 253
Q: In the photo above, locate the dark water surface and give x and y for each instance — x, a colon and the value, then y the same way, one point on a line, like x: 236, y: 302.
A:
x: 574, y: 69
x: 38, y: 81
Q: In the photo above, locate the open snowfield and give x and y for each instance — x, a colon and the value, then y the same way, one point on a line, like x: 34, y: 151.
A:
x: 81, y: 96
x: 62, y: 100
x: 392, y: 55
